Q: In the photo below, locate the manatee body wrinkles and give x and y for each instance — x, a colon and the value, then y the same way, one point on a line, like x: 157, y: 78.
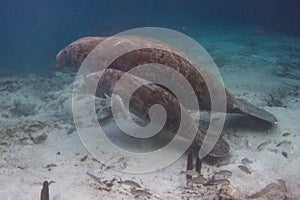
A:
x: 74, y: 54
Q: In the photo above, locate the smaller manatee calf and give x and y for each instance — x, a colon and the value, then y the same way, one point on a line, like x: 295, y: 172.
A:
x: 148, y: 95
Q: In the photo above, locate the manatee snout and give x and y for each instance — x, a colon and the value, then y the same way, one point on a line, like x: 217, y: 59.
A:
x: 61, y: 58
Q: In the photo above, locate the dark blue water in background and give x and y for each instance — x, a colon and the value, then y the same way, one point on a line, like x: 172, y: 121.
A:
x: 33, y: 31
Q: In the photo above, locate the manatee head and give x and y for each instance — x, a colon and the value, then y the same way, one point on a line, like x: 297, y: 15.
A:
x: 74, y: 54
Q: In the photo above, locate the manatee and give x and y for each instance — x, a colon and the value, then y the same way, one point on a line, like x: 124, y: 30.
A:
x: 74, y: 54
x: 155, y: 94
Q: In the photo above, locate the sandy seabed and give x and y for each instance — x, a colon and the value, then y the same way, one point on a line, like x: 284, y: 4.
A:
x: 38, y: 139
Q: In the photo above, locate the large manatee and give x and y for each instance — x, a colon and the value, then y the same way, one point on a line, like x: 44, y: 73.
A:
x: 74, y: 54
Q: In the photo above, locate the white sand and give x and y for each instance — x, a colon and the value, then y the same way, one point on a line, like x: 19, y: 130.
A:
x: 248, y: 65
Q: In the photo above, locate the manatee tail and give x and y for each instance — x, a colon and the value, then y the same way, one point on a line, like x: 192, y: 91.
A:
x: 247, y: 108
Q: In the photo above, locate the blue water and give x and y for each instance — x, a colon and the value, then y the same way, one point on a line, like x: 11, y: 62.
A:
x: 32, y: 31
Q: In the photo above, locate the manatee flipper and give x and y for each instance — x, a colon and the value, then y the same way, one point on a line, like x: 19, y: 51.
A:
x: 247, y: 108
x: 221, y: 149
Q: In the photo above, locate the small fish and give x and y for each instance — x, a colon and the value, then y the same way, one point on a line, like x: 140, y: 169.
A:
x: 287, y: 134
x: 95, y: 178
x: 224, y: 173
x: 285, y: 142
x: 50, y: 165
x: 199, y: 180
x: 244, y: 169
x: 246, y: 161
x: 139, y: 192
x: 190, y: 172
x: 218, y: 181
x: 110, y: 183
x: 83, y: 158
x: 262, y: 145
x: 130, y: 183
x: 285, y: 154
